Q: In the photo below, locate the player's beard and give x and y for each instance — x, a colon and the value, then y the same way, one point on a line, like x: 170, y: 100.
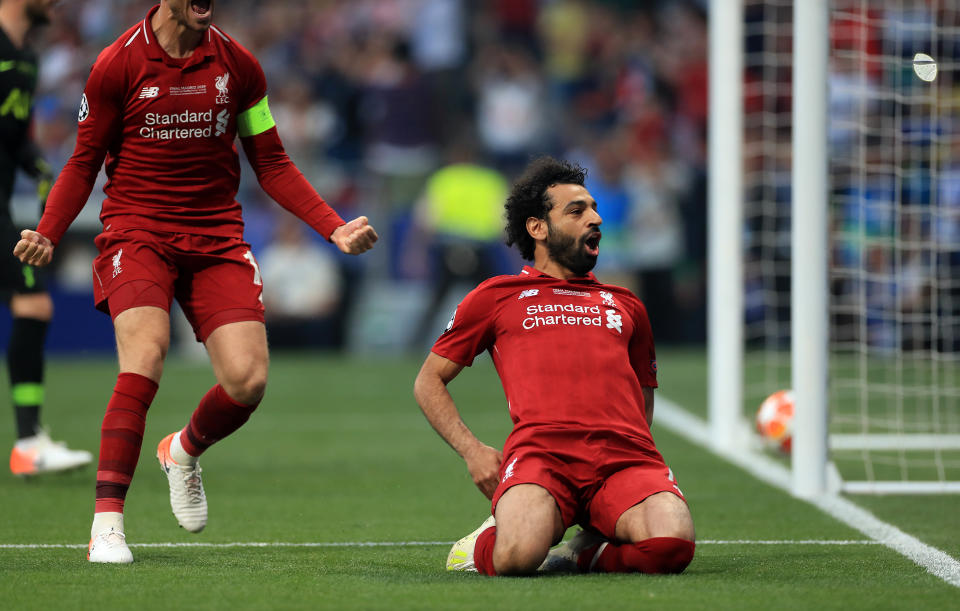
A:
x: 569, y: 252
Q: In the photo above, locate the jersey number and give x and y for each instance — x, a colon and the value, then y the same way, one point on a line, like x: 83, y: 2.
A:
x: 256, y: 268
x: 18, y: 103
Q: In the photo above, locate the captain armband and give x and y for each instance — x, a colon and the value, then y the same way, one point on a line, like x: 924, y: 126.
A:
x: 255, y: 120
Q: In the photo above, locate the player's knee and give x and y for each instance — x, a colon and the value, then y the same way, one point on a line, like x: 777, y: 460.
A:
x: 665, y: 554
x: 248, y: 392
x: 38, y: 306
x: 518, y: 557
x: 145, y: 358
x: 247, y: 389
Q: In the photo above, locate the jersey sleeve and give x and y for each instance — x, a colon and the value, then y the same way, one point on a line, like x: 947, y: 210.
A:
x: 643, y: 356
x: 100, y: 122
x: 276, y: 173
x: 255, y: 82
x: 470, y: 330
x: 254, y: 116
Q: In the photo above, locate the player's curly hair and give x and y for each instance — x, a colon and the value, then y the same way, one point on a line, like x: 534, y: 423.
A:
x: 528, y: 198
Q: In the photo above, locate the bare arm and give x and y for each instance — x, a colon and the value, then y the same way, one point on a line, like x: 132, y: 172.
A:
x: 430, y: 390
x: 648, y: 403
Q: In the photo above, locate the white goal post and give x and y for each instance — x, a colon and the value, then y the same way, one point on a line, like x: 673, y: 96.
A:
x: 866, y: 254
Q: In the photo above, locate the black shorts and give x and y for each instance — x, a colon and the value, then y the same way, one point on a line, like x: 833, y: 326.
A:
x: 16, y: 277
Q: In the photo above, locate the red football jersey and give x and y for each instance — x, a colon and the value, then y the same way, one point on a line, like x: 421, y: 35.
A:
x: 166, y: 128
x: 571, y: 354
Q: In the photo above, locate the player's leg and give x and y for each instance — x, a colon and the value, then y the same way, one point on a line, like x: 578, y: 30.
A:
x: 655, y: 536
x: 516, y: 542
x: 238, y: 353
x: 528, y: 523
x: 34, y: 451
x: 230, y: 324
x: 536, y: 501
x: 641, y: 523
x: 133, y: 282
x: 28, y: 333
x: 663, y: 514
x: 143, y: 338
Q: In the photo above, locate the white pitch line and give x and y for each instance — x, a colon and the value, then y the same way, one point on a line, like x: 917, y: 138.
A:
x: 238, y: 544
x: 788, y: 542
x: 695, y: 430
x: 404, y: 543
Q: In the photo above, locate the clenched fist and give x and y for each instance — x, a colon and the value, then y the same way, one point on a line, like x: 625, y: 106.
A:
x: 355, y: 237
x: 33, y: 248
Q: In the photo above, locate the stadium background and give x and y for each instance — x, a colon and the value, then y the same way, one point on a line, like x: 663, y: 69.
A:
x: 372, y: 96
x: 357, y: 505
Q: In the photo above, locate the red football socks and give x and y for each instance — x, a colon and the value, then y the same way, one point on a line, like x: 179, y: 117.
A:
x: 654, y: 555
x: 121, y: 436
x: 216, y: 417
x: 483, y: 551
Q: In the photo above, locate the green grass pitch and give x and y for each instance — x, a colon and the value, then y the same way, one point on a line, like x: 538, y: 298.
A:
x: 338, y: 455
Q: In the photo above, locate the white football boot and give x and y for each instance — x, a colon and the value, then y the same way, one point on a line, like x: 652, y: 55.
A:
x: 39, y: 454
x: 187, y: 500
x: 563, y: 558
x: 460, y: 557
x: 109, y: 546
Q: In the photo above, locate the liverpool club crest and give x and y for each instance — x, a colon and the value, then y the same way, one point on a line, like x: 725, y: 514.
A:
x: 222, y: 92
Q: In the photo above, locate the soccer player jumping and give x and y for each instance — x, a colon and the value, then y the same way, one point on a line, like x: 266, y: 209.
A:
x: 162, y: 108
x: 578, y: 368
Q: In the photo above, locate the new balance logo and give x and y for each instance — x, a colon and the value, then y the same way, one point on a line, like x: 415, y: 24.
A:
x: 528, y: 293
x: 614, y: 321
x: 222, y: 119
x: 149, y: 92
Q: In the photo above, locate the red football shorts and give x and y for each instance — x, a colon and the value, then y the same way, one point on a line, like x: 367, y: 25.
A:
x: 594, y: 478
x: 215, y: 280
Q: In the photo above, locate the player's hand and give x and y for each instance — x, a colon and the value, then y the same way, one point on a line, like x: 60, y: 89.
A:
x: 33, y: 248
x: 483, y: 463
x: 355, y: 237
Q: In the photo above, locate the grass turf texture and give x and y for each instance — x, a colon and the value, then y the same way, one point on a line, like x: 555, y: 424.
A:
x: 339, y: 452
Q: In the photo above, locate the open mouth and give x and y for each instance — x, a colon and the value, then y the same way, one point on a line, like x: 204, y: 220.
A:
x: 201, y: 8
x: 592, y: 243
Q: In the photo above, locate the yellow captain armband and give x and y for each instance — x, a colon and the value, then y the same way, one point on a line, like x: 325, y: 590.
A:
x: 255, y: 120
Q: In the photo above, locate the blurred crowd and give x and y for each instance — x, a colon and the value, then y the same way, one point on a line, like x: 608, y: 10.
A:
x: 894, y: 172
x: 373, y: 97
x: 419, y: 113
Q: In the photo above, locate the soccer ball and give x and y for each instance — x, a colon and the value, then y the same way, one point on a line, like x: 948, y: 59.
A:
x: 775, y: 420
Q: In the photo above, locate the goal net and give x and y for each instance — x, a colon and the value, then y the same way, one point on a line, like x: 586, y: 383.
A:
x: 894, y: 244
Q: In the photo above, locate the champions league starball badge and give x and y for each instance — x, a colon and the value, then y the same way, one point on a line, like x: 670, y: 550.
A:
x: 84, y: 109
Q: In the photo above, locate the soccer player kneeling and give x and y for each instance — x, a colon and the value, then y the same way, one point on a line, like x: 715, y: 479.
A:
x: 577, y: 363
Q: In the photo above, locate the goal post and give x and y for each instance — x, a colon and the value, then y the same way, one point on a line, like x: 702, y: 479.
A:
x: 809, y: 237
x: 725, y: 220
x: 842, y: 238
